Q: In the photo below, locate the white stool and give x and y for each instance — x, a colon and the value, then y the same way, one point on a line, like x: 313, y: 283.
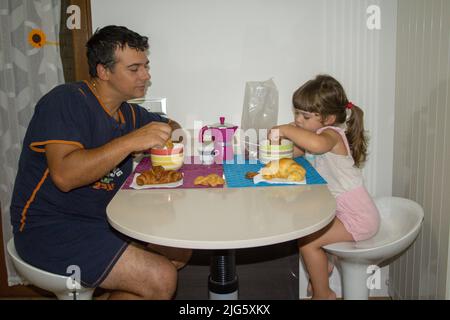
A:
x: 401, y: 220
x: 65, y: 288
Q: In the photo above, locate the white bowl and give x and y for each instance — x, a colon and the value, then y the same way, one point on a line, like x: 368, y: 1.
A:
x: 269, y: 152
x: 267, y: 158
x: 285, y: 145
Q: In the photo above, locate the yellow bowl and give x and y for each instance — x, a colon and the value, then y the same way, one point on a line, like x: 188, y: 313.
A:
x: 168, y: 162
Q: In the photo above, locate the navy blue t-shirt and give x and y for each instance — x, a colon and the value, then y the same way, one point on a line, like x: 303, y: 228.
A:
x: 70, y: 114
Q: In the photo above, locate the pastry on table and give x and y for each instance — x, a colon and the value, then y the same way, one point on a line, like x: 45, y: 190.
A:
x: 212, y: 180
x: 157, y: 175
x: 250, y: 175
x: 283, y: 169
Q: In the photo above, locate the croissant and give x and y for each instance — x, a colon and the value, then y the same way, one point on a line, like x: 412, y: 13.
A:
x: 170, y: 176
x: 157, y: 175
x: 212, y: 180
x: 283, y: 169
x: 146, y: 177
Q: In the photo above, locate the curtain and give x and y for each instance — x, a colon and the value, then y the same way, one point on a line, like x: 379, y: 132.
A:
x: 30, y: 65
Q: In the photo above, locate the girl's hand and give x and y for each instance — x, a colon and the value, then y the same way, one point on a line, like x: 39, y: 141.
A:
x: 275, y: 134
x: 298, y: 151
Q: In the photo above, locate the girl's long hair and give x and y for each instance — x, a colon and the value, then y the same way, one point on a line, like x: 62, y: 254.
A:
x: 326, y: 96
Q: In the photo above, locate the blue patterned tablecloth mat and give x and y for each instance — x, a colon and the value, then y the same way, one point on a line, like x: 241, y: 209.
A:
x: 235, y: 174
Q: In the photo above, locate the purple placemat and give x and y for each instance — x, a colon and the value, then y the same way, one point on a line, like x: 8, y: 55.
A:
x: 190, y: 172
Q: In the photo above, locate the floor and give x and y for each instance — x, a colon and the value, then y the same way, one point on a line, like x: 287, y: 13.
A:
x: 266, y: 273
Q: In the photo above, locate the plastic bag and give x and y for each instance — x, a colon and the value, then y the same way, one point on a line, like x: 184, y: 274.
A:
x: 260, y: 112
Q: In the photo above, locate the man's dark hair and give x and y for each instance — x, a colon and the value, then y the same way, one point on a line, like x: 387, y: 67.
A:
x: 104, y: 42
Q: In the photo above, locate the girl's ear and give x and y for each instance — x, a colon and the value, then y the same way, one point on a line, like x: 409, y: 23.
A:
x: 331, y: 119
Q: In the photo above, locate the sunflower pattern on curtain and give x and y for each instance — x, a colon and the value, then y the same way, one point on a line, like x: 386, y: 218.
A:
x: 30, y: 66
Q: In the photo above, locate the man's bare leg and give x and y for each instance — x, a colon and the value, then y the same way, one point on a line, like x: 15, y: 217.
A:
x: 140, y: 274
x: 178, y: 256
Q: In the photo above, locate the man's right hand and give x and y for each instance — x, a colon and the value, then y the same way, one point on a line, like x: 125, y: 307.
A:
x: 154, y: 134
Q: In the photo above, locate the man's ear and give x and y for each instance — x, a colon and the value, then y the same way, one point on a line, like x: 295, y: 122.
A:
x: 331, y: 119
x: 102, y: 72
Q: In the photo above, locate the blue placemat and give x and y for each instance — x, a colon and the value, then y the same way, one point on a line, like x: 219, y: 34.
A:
x: 235, y: 174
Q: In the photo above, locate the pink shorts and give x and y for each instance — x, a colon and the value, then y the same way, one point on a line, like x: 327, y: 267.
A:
x: 358, y: 213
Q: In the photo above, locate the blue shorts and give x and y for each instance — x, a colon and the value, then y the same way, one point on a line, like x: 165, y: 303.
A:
x: 92, y: 246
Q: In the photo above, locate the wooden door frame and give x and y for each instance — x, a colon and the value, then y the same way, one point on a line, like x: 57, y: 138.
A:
x: 80, y: 37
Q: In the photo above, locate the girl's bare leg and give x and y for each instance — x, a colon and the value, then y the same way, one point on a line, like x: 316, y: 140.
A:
x: 316, y: 260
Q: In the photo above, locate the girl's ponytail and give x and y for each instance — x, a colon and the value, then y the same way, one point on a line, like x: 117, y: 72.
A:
x: 356, y: 135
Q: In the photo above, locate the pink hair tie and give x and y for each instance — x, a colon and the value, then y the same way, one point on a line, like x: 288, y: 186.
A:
x: 349, y: 105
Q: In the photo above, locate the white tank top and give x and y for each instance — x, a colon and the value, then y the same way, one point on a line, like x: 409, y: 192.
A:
x: 339, y: 171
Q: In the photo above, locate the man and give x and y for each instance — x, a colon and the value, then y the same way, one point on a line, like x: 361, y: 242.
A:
x: 76, y: 155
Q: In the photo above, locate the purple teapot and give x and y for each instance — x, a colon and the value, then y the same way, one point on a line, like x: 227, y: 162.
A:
x: 222, y: 134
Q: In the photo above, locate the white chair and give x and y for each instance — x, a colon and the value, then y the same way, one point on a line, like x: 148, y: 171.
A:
x: 65, y: 288
x: 401, y: 220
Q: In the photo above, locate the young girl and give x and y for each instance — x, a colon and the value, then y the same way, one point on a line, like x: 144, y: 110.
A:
x: 330, y: 127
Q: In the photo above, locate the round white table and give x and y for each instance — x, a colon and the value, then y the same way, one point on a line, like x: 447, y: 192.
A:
x: 222, y: 220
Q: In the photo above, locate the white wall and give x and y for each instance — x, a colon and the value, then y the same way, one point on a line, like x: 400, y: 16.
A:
x: 204, y: 51
x: 364, y: 61
x: 422, y: 153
